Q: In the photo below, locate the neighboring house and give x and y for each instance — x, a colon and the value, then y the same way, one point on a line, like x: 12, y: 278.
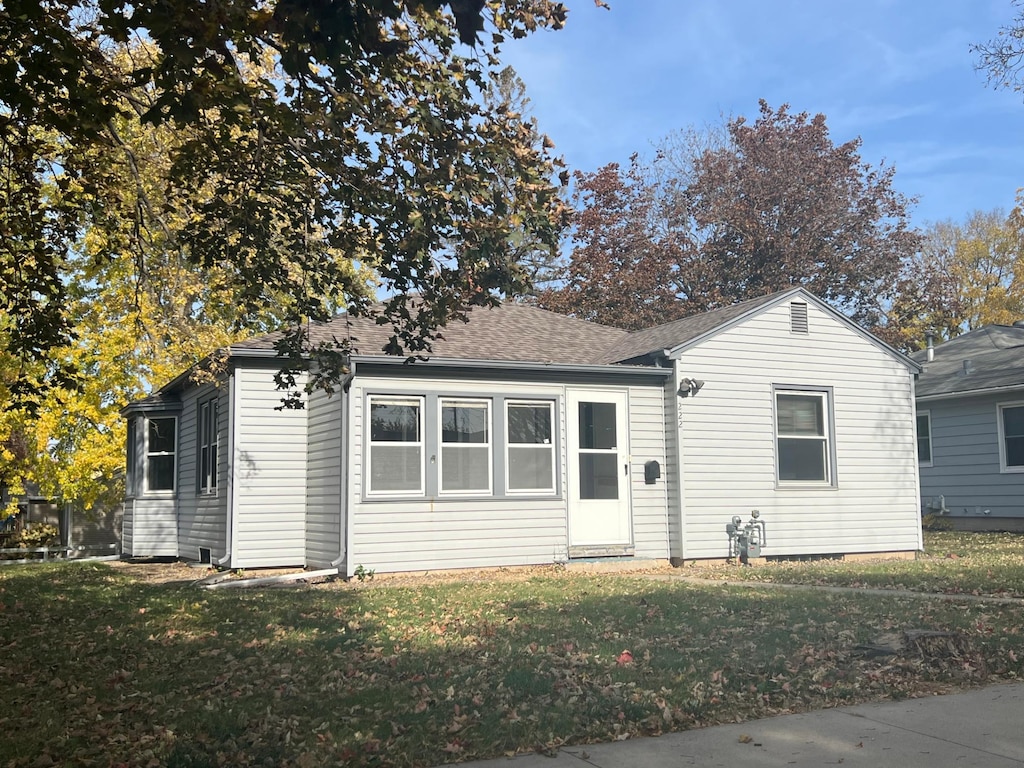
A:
x: 529, y: 437
x: 970, y: 414
x: 83, y: 534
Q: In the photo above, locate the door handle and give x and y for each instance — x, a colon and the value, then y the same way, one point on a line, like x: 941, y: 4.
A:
x: 625, y: 469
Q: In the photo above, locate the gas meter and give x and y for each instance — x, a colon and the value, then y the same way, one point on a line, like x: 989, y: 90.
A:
x: 746, y: 540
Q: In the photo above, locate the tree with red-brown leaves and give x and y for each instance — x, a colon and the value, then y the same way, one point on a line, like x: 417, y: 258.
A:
x: 620, y: 273
x: 782, y: 205
x: 719, y: 218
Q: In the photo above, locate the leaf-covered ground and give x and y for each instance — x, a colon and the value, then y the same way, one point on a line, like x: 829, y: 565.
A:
x: 100, y: 668
x: 952, y: 563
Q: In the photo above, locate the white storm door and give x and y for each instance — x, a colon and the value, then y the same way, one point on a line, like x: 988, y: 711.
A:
x: 598, y: 469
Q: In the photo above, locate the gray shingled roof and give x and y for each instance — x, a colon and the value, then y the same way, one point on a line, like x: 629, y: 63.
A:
x: 515, y: 332
x: 996, y: 355
x: 669, y: 335
x: 511, y: 332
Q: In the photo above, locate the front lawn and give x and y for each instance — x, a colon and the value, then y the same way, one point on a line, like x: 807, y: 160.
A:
x: 952, y: 563
x: 99, y: 668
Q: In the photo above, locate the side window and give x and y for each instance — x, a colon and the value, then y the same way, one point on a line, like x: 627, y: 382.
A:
x: 530, y: 449
x: 395, y: 446
x: 924, y: 438
x: 803, y: 452
x: 465, y: 446
x: 161, y: 445
x: 1011, y: 437
x: 208, y: 445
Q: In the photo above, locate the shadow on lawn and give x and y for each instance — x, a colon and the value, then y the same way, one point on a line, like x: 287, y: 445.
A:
x: 105, y: 668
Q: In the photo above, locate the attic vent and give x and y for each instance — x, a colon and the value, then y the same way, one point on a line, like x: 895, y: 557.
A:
x: 798, y: 317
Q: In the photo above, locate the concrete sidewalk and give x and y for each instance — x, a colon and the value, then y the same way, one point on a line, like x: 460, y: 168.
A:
x: 977, y: 728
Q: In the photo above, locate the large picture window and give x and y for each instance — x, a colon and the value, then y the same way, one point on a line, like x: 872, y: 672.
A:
x: 530, y: 449
x: 1011, y: 437
x: 465, y: 446
x: 924, y: 438
x: 396, y: 445
x: 208, y: 439
x: 802, y: 436
x: 161, y: 445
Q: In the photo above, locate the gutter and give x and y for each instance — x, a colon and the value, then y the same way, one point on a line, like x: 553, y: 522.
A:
x: 517, y: 365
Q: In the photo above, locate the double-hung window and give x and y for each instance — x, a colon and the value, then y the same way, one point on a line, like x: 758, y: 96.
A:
x: 465, y: 446
x: 530, y: 449
x: 208, y: 435
x: 1011, y: 437
x: 161, y: 445
x: 924, y: 438
x: 396, y: 446
x: 803, y: 453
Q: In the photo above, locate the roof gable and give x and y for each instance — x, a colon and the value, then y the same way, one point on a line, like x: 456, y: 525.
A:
x: 676, y: 337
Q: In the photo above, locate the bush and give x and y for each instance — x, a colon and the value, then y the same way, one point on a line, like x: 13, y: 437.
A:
x: 37, y: 536
x: 933, y: 522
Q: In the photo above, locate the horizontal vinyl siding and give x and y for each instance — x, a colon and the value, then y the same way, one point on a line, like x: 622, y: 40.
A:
x: 729, y: 447
x: 440, y: 533
x: 269, y: 475
x: 202, y: 518
x: 153, y: 527
x: 324, y: 479
x: 647, y: 443
x: 126, y: 527
x: 965, y: 459
x: 427, y: 534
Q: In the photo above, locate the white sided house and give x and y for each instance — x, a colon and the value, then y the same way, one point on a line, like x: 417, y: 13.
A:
x: 529, y: 438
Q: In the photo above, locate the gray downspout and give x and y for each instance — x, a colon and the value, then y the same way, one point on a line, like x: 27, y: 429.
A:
x: 229, y: 522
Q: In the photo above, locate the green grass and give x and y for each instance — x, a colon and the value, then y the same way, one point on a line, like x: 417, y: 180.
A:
x: 98, y: 669
x: 952, y: 563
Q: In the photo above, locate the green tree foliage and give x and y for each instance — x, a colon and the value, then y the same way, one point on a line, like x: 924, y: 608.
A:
x: 306, y: 129
x: 718, y: 218
x: 143, y: 312
x: 507, y: 93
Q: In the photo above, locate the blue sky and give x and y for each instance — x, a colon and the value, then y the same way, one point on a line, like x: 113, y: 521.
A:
x: 897, y: 73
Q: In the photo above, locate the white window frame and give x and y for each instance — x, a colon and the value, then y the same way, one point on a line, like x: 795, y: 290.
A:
x: 828, y: 435
x: 917, y: 434
x: 421, y: 444
x: 473, y: 402
x: 550, y: 445
x: 152, y: 454
x: 208, y: 430
x: 1003, y: 466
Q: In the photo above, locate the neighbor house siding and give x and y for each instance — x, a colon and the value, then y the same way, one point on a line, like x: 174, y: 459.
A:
x: 202, y: 517
x: 647, y: 443
x: 324, y: 479
x: 438, y: 533
x: 97, y: 532
x: 729, y: 447
x: 269, y: 474
x: 965, y: 459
